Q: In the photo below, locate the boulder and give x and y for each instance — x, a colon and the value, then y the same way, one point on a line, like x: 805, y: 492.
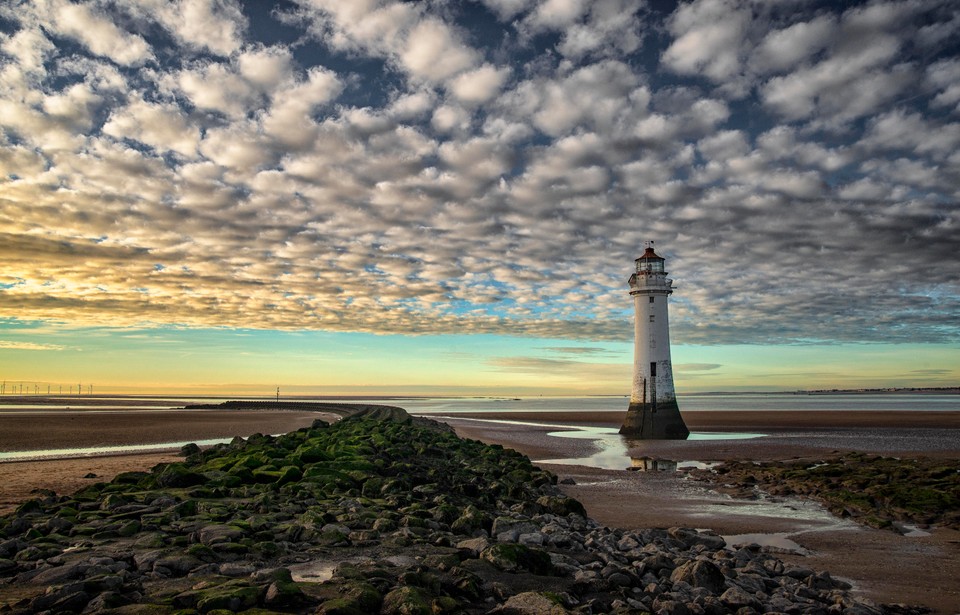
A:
x: 217, y: 533
x: 406, y: 601
x: 700, y: 573
x: 736, y: 598
x: 518, y: 558
x: 530, y: 603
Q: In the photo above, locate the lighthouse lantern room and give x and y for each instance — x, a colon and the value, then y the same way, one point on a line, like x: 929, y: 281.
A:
x: 653, y: 411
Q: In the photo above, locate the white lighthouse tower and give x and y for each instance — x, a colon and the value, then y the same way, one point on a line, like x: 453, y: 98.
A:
x: 653, y: 412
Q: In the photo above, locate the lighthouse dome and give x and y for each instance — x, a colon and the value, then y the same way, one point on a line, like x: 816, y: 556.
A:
x: 650, y: 254
x: 650, y: 262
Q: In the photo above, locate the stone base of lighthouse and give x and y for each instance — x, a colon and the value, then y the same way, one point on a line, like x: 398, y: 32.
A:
x: 646, y: 422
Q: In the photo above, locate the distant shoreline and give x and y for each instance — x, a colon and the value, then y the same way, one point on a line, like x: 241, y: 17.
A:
x: 887, y: 391
x: 177, y: 400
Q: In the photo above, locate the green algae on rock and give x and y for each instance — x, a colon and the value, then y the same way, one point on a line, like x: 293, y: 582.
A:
x: 878, y: 491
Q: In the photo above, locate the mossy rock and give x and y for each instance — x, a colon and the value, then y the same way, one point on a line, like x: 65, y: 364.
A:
x: 130, y: 478
x: 179, y: 475
x: 407, y: 601
x: 518, y: 558
x: 30, y: 506
x: 128, y: 529
x: 311, y: 453
x: 471, y: 520
x: 561, y: 505
x: 357, y: 597
x: 289, y: 474
x: 232, y: 599
x: 187, y: 508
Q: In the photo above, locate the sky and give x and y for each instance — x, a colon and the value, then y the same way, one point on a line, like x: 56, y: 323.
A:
x: 446, y: 197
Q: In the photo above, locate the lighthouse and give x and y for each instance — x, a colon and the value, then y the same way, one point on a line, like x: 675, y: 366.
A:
x: 653, y: 412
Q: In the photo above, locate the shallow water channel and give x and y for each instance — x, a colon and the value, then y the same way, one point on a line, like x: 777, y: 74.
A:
x: 613, y: 453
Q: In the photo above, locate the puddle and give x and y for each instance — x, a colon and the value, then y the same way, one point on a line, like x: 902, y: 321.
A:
x: 313, y: 572
x: 320, y: 570
x: 103, y: 450
x: 910, y: 531
x: 771, y: 543
x: 92, y: 451
x: 697, y: 465
x: 613, y: 449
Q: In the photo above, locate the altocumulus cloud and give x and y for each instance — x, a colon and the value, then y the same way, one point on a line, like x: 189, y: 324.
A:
x: 483, y: 167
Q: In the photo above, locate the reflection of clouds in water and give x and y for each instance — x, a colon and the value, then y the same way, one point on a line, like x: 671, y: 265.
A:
x: 613, y: 453
x: 64, y: 453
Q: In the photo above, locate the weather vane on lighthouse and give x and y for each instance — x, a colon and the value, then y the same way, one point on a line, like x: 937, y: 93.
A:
x: 653, y: 412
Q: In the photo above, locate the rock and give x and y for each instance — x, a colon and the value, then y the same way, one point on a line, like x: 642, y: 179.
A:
x: 406, y: 601
x: 237, y: 569
x: 64, y: 599
x: 474, y: 545
x: 507, y: 525
x: 700, y: 573
x: 628, y: 543
x: 670, y: 607
x: 229, y: 598
x: 176, y: 565
x: 178, y: 475
x: 736, y: 598
x: 561, y: 505
x: 533, y: 538
x: 823, y: 580
x: 61, y: 574
x: 620, y: 579
x: 529, y: 603
x: 214, y: 534
x: 691, y: 537
x: 518, y: 558
x: 283, y: 592
x: 401, y: 561
x: 657, y: 562
x: 106, y: 601
x: 189, y: 449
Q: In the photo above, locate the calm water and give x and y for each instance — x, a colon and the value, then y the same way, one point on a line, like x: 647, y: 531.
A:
x: 771, y: 402
x: 759, y: 402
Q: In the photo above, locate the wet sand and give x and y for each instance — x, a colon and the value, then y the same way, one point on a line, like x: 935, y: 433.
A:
x: 58, y: 429
x: 55, y: 429
x: 883, y: 565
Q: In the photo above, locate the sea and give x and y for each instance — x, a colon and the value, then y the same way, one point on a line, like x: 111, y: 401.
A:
x: 725, y: 402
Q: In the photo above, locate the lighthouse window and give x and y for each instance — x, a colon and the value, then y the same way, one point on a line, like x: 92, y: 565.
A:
x: 651, y: 299
x: 651, y: 317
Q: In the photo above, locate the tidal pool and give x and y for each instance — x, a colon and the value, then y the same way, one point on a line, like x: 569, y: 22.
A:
x: 613, y: 453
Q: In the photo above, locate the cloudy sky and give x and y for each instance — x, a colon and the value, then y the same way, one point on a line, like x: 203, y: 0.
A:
x: 448, y: 195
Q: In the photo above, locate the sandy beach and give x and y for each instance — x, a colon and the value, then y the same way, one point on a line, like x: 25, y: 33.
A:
x: 883, y: 565
x: 54, y: 429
